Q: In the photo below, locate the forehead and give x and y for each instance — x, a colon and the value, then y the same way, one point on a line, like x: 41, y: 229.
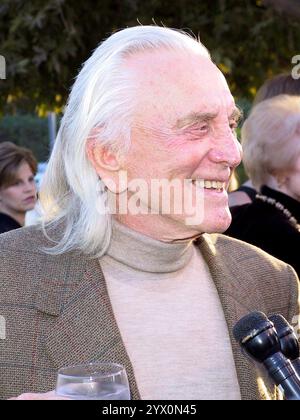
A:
x: 23, y: 170
x: 174, y: 83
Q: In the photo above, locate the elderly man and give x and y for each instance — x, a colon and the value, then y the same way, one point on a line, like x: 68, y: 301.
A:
x: 114, y: 275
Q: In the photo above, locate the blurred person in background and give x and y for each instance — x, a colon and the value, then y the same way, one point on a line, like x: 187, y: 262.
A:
x: 240, y: 195
x: 271, y: 144
x: 244, y: 194
x: 17, y: 185
x: 278, y: 85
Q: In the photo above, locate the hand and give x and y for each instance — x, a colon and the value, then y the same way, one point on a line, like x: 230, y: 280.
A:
x: 47, y: 396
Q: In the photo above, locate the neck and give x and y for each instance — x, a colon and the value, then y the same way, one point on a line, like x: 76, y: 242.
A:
x: 158, y: 227
x: 144, y: 253
x: 18, y: 216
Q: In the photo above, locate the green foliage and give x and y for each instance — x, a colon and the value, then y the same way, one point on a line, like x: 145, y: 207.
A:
x: 241, y: 174
x: 46, y: 41
x: 27, y: 131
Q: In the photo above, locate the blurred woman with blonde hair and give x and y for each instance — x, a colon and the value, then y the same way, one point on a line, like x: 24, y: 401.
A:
x: 271, y: 144
x: 282, y: 84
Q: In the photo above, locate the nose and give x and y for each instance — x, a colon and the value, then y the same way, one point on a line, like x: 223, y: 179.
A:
x: 227, y: 150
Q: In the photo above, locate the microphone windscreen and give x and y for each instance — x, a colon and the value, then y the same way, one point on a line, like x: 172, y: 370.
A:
x: 249, y: 326
x: 280, y: 323
x: 289, y: 343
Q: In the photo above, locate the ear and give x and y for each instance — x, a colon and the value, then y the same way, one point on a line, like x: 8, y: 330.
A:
x: 103, y: 160
x: 107, y: 165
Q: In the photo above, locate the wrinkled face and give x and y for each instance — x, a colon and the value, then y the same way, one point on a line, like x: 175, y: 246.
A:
x: 21, y: 196
x: 184, y: 130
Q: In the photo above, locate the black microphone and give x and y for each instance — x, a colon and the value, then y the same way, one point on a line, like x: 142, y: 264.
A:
x: 258, y: 338
x: 288, y: 340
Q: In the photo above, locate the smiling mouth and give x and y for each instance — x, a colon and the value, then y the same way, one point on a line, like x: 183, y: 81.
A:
x: 209, y: 185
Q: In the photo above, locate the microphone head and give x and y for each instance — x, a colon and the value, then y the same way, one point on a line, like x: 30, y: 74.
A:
x: 257, y: 336
x: 249, y: 326
x: 281, y: 325
x: 288, y: 340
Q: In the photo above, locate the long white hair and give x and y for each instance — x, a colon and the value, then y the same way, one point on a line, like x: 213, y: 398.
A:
x: 102, y: 101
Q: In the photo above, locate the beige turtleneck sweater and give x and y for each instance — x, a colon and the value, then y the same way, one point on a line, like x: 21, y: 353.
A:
x: 170, y: 318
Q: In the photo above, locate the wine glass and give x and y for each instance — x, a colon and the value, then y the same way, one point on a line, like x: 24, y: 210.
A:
x: 93, y: 381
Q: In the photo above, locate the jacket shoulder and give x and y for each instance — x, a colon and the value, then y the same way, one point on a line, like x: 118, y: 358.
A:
x: 267, y: 273
x: 24, y: 240
x: 255, y: 270
x: 246, y: 254
x: 27, y: 270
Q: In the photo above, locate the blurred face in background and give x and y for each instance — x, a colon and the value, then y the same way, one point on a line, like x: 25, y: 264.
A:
x: 292, y: 183
x: 20, y: 196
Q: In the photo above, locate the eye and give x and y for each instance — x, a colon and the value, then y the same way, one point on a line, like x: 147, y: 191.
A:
x: 197, y: 131
x: 203, y: 128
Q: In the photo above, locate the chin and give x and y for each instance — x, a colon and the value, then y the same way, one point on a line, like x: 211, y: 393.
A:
x: 212, y: 222
x: 211, y: 227
x: 28, y: 208
x: 219, y: 225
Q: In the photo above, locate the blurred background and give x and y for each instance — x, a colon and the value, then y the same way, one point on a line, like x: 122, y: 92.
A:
x: 44, y: 43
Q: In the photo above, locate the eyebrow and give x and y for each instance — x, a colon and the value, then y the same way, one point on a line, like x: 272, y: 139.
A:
x: 196, y: 117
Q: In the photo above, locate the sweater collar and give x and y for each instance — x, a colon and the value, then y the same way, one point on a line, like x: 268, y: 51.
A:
x: 144, y: 253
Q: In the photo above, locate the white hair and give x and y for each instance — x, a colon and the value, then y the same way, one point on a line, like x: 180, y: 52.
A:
x: 101, y: 103
x: 269, y: 140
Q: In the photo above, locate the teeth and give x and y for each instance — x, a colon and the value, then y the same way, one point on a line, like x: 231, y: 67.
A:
x: 216, y: 185
x: 222, y: 185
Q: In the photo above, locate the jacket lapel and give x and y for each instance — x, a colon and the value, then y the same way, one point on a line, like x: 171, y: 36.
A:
x: 233, y: 287
x: 85, y: 330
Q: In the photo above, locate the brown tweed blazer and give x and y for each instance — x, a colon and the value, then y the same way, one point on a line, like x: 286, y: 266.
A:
x: 58, y: 312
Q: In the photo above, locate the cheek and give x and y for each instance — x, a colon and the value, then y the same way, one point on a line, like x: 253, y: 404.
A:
x: 148, y: 163
x: 187, y: 158
x: 142, y: 168
x: 11, y: 195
